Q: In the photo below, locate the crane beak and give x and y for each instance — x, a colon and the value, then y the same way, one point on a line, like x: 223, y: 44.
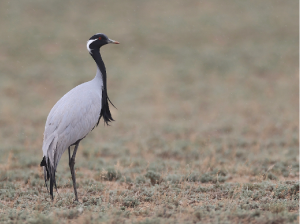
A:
x: 112, y: 41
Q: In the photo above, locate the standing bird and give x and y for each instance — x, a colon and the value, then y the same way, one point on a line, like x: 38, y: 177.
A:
x: 75, y: 115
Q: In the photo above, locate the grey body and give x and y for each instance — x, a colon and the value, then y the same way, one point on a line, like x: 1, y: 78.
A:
x: 72, y: 118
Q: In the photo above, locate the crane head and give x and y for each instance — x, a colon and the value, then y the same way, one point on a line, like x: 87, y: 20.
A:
x: 98, y: 40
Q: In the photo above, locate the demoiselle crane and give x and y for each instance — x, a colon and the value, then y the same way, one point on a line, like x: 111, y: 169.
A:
x: 76, y: 114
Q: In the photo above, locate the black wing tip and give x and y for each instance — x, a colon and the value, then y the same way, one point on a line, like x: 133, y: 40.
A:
x: 43, y: 163
x: 50, y: 174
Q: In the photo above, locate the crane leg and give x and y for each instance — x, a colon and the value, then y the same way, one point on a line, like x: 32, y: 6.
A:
x: 71, y: 165
x: 69, y: 150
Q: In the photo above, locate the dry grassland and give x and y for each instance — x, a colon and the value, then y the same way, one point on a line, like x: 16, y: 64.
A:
x: 206, y: 128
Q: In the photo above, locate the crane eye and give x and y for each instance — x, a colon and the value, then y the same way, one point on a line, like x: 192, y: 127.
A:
x: 99, y: 38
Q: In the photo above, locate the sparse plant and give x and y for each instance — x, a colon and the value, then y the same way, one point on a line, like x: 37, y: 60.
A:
x: 111, y: 174
x: 154, y: 177
x: 130, y: 202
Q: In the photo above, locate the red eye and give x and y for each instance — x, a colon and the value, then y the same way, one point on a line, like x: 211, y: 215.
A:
x: 99, y: 38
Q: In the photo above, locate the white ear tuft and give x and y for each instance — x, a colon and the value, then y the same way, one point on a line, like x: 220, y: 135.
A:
x: 88, y: 45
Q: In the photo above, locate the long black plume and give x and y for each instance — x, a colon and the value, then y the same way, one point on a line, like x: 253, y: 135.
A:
x: 105, y: 111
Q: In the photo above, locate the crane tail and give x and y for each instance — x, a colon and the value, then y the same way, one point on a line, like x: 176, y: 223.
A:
x: 46, y: 171
x: 49, y: 173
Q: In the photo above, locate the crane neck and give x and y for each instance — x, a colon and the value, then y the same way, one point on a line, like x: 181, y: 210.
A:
x: 100, y: 64
x: 105, y: 112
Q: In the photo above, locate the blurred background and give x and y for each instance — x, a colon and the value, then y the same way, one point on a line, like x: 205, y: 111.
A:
x: 208, y: 84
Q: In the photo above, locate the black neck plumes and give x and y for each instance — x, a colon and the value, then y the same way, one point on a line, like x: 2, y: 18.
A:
x: 105, y: 112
